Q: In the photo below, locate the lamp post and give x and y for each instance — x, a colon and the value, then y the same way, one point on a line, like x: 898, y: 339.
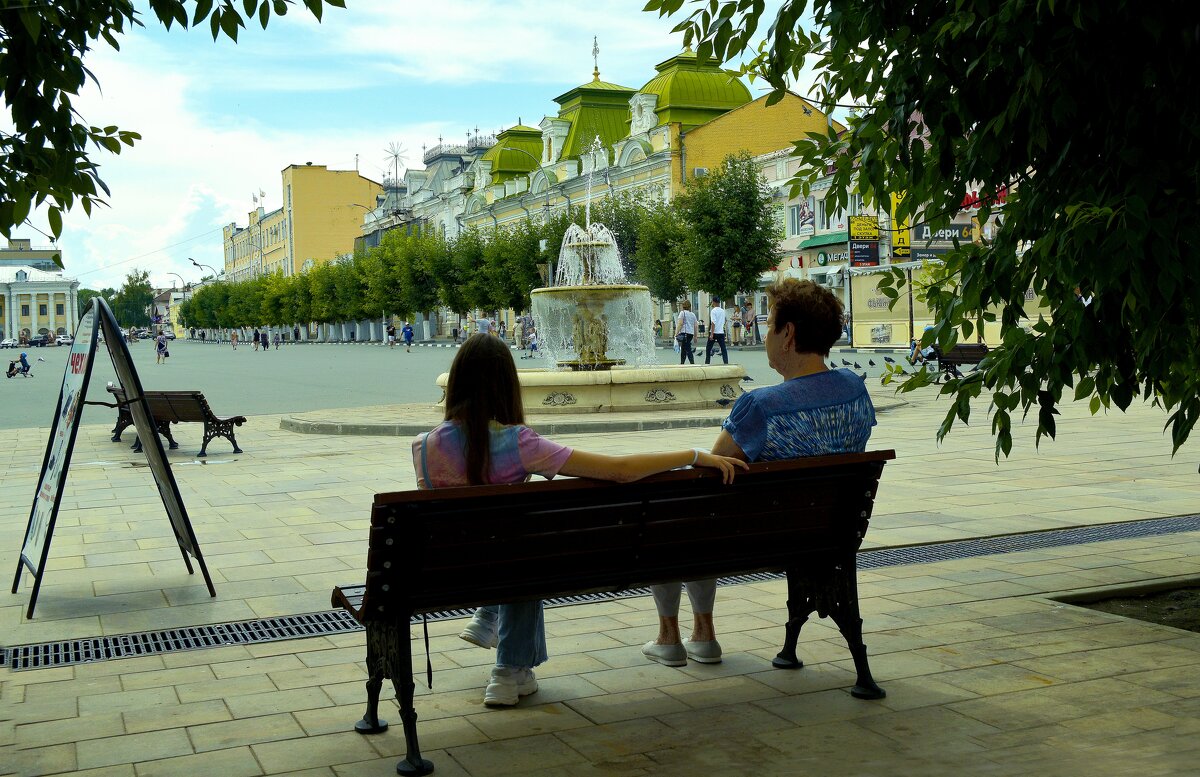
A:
x: 216, y: 276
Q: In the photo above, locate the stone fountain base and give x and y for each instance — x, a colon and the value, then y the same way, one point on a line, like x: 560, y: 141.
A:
x: 628, y: 389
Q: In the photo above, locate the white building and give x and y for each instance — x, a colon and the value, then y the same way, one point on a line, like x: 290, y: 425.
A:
x: 37, y: 302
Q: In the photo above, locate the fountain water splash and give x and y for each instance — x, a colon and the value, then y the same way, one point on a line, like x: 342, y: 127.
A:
x: 592, y: 318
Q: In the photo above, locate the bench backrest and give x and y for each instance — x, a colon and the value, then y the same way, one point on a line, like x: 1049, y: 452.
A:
x: 175, y: 406
x: 462, y: 547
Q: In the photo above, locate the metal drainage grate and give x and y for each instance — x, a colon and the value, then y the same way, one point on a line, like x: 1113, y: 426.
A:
x: 79, y: 651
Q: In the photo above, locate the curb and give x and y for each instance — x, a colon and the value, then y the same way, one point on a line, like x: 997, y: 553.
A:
x: 541, y: 426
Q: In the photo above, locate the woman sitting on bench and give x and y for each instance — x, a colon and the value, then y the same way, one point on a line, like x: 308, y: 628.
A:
x: 484, y: 441
x: 816, y: 411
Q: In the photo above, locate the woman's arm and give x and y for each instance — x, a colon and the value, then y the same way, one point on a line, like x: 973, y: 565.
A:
x: 726, y: 446
x: 636, y: 466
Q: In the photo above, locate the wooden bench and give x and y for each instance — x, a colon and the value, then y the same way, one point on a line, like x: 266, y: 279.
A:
x: 456, y: 548
x: 174, y: 407
x: 961, y: 355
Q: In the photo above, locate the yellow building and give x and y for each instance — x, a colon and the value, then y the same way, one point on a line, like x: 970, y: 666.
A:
x: 36, y: 302
x: 321, y: 215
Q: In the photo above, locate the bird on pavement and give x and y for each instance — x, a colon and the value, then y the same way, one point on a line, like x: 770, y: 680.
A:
x: 871, y: 362
x: 889, y: 360
x: 747, y: 379
x: 845, y: 363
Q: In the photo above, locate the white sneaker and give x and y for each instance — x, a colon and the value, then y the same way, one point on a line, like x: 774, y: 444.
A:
x: 480, y: 633
x: 508, y: 685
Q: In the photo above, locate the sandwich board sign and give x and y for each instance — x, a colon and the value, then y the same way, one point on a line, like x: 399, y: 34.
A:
x: 96, y: 319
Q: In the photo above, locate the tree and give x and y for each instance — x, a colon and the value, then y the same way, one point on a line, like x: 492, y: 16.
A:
x: 48, y: 155
x: 733, y: 235
x: 85, y: 296
x: 131, y: 304
x: 622, y: 213
x: 662, y: 235
x: 1098, y: 164
x: 416, y: 256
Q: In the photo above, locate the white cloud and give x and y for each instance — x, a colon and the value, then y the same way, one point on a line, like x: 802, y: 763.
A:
x: 210, y: 138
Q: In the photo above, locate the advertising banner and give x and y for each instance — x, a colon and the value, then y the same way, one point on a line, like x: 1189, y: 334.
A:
x: 864, y: 228
x: 98, y: 318
x: 901, y: 236
x: 864, y: 253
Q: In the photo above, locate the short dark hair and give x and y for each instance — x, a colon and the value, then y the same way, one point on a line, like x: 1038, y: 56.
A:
x: 814, y: 311
x: 483, y: 387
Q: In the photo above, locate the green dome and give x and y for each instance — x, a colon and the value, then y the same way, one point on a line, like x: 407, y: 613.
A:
x: 692, y: 91
x: 517, y: 151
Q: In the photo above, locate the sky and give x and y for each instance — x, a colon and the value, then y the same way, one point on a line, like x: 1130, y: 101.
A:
x: 220, y: 121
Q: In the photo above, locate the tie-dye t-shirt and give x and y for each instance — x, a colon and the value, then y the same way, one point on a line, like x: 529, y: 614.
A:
x: 813, y: 415
x: 440, y: 455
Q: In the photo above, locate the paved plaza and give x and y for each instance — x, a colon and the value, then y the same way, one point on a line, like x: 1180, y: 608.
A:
x: 986, y: 673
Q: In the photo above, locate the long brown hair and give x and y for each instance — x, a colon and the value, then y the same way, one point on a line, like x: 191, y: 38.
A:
x: 482, y: 388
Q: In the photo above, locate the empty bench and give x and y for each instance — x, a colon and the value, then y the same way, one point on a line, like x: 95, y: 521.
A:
x: 174, y: 407
x: 455, y: 548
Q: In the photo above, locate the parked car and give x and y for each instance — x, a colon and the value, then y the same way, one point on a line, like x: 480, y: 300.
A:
x: 9, y: 342
x: 38, y: 341
x: 170, y: 335
x: 64, y: 340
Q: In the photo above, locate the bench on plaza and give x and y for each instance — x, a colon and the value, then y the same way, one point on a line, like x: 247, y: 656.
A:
x: 174, y: 407
x: 453, y: 548
x: 961, y: 355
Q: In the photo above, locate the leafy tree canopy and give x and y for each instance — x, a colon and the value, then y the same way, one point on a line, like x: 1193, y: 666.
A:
x: 48, y: 156
x: 733, y: 235
x: 1097, y: 155
x: 131, y: 304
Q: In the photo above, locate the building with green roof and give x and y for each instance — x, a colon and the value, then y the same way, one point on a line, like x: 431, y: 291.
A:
x: 691, y: 91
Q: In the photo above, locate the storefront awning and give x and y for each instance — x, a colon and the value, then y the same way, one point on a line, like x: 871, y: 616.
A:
x: 826, y: 239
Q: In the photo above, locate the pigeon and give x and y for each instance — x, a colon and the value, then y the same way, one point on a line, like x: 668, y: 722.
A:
x: 871, y: 362
x: 863, y: 376
x: 889, y: 360
x: 845, y: 363
x: 747, y: 379
x: 723, y: 402
x: 857, y: 366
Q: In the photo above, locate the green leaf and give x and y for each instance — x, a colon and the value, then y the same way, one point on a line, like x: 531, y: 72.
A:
x: 54, y: 217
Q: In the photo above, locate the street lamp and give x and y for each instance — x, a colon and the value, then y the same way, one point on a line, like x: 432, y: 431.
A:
x: 215, y: 274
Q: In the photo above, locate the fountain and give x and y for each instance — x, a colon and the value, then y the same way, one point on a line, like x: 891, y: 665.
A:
x: 597, y: 328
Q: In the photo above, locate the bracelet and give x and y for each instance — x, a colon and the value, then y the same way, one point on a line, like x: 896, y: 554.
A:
x: 695, y: 456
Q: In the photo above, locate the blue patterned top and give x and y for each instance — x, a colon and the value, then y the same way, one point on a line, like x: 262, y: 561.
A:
x: 813, y: 415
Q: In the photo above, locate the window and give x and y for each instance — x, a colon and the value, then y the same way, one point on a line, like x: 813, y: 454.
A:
x: 827, y: 217
x: 58, y: 309
x: 25, y: 311
x: 41, y: 310
x: 856, y: 204
x: 794, y: 220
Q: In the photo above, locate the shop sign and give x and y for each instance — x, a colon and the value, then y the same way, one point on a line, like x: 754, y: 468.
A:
x: 864, y: 228
x: 901, y: 236
x: 924, y: 254
x: 947, y: 235
x: 832, y: 257
x: 864, y: 253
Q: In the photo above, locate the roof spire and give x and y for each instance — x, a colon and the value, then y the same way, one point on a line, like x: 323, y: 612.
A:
x: 595, y: 59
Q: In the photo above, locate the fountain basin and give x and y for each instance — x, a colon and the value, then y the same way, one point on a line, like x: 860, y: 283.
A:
x: 594, y: 326
x: 628, y: 389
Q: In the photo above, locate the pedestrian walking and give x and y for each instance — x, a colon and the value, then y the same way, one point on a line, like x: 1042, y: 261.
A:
x: 685, y: 326
x: 391, y: 335
x: 716, y: 332
x: 295, y: 334
x: 160, y: 349
x: 257, y: 338
x: 276, y: 339
x: 408, y: 337
x: 233, y: 338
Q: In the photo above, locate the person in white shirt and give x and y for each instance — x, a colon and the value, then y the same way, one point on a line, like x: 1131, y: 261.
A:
x: 716, y: 332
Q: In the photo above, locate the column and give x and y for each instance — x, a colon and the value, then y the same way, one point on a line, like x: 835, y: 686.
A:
x: 34, y: 323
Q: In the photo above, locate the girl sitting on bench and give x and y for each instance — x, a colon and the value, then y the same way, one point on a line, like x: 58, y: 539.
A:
x: 484, y: 440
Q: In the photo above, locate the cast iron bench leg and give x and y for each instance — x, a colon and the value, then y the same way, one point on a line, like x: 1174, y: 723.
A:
x: 370, y: 723
x: 413, y: 764
x: 219, y: 429
x: 799, y: 607
x: 845, y: 614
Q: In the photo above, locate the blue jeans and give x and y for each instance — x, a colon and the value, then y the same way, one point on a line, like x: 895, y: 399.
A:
x: 521, y: 627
